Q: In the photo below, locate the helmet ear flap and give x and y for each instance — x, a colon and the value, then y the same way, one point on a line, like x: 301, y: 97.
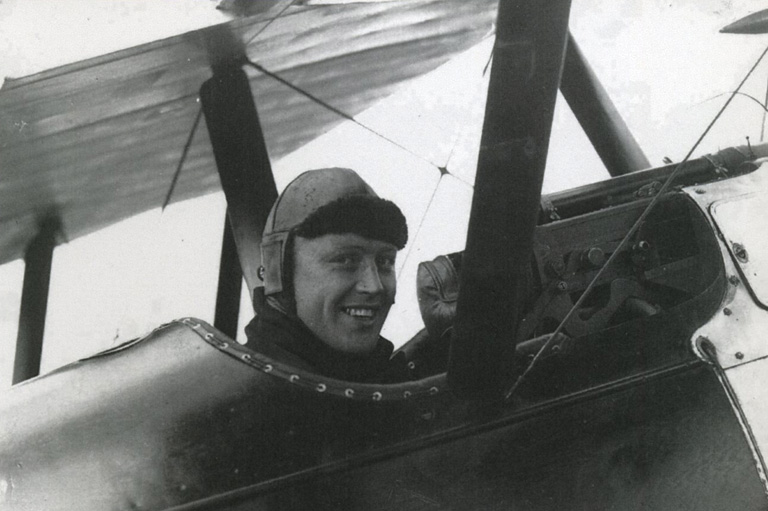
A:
x: 273, y: 249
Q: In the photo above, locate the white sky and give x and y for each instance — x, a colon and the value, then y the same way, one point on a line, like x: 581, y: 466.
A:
x: 41, y: 34
x: 661, y: 63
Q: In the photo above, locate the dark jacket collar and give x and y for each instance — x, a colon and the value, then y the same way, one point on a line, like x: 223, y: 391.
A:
x: 286, y: 338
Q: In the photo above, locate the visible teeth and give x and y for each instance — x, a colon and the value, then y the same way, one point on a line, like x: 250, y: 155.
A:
x: 363, y: 313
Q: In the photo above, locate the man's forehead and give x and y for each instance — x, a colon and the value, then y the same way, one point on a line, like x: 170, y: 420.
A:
x: 345, y: 241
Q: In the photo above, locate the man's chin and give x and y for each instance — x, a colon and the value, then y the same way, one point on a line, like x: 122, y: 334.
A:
x: 359, y: 345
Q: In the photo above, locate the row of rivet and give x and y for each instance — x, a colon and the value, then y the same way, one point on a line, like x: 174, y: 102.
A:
x: 293, y: 378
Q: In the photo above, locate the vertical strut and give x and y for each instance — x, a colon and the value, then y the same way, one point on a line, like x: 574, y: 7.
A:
x: 243, y: 163
x: 527, y: 65
x: 230, y: 285
x: 34, y: 302
x: 597, y: 115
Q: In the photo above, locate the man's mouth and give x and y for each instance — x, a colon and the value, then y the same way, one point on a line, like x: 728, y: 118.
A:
x: 360, y: 312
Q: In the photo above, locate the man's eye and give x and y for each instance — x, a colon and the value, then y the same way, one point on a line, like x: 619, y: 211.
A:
x: 386, y: 263
x: 345, y: 260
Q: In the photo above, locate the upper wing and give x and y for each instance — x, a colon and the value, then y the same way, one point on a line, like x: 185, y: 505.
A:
x: 100, y: 140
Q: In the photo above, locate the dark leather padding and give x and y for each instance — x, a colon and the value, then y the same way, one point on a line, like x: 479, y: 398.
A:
x: 437, y: 288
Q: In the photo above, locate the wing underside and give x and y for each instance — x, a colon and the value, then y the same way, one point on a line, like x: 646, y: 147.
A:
x: 98, y: 141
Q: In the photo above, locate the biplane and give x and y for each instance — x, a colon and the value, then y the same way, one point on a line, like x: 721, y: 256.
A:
x: 604, y: 347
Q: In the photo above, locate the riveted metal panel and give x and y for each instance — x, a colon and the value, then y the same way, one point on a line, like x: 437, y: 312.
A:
x: 737, y: 330
x: 744, y: 225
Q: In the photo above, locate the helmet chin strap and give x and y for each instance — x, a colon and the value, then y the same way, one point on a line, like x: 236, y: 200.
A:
x: 276, y: 303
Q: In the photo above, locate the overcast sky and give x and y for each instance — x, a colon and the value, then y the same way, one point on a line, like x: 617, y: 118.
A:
x: 663, y: 64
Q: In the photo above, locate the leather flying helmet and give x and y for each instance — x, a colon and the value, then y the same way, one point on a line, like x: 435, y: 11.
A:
x: 325, y: 201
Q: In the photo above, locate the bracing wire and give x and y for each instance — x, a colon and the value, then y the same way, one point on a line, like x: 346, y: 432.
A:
x: 765, y: 110
x: 193, y: 130
x: 762, y: 105
x: 335, y: 110
x: 421, y: 223
x: 183, y: 158
x: 272, y: 20
x: 628, y: 236
x: 461, y: 131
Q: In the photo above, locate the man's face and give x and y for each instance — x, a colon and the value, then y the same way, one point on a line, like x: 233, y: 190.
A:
x: 344, y: 286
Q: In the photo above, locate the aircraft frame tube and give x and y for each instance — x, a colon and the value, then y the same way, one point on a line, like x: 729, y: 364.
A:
x: 602, y: 123
x: 525, y: 76
x: 243, y: 163
x: 230, y: 284
x: 34, y: 302
x: 726, y: 162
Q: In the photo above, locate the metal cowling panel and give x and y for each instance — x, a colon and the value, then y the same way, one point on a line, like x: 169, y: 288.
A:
x: 670, y: 442
x: 168, y: 419
x: 172, y: 421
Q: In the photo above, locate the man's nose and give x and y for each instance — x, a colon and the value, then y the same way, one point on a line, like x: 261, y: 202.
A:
x: 368, y: 278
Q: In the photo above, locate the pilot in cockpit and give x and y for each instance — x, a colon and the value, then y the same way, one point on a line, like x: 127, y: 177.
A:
x: 328, y: 255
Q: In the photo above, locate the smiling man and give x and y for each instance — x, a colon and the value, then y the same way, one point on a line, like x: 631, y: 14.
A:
x: 328, y: 254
